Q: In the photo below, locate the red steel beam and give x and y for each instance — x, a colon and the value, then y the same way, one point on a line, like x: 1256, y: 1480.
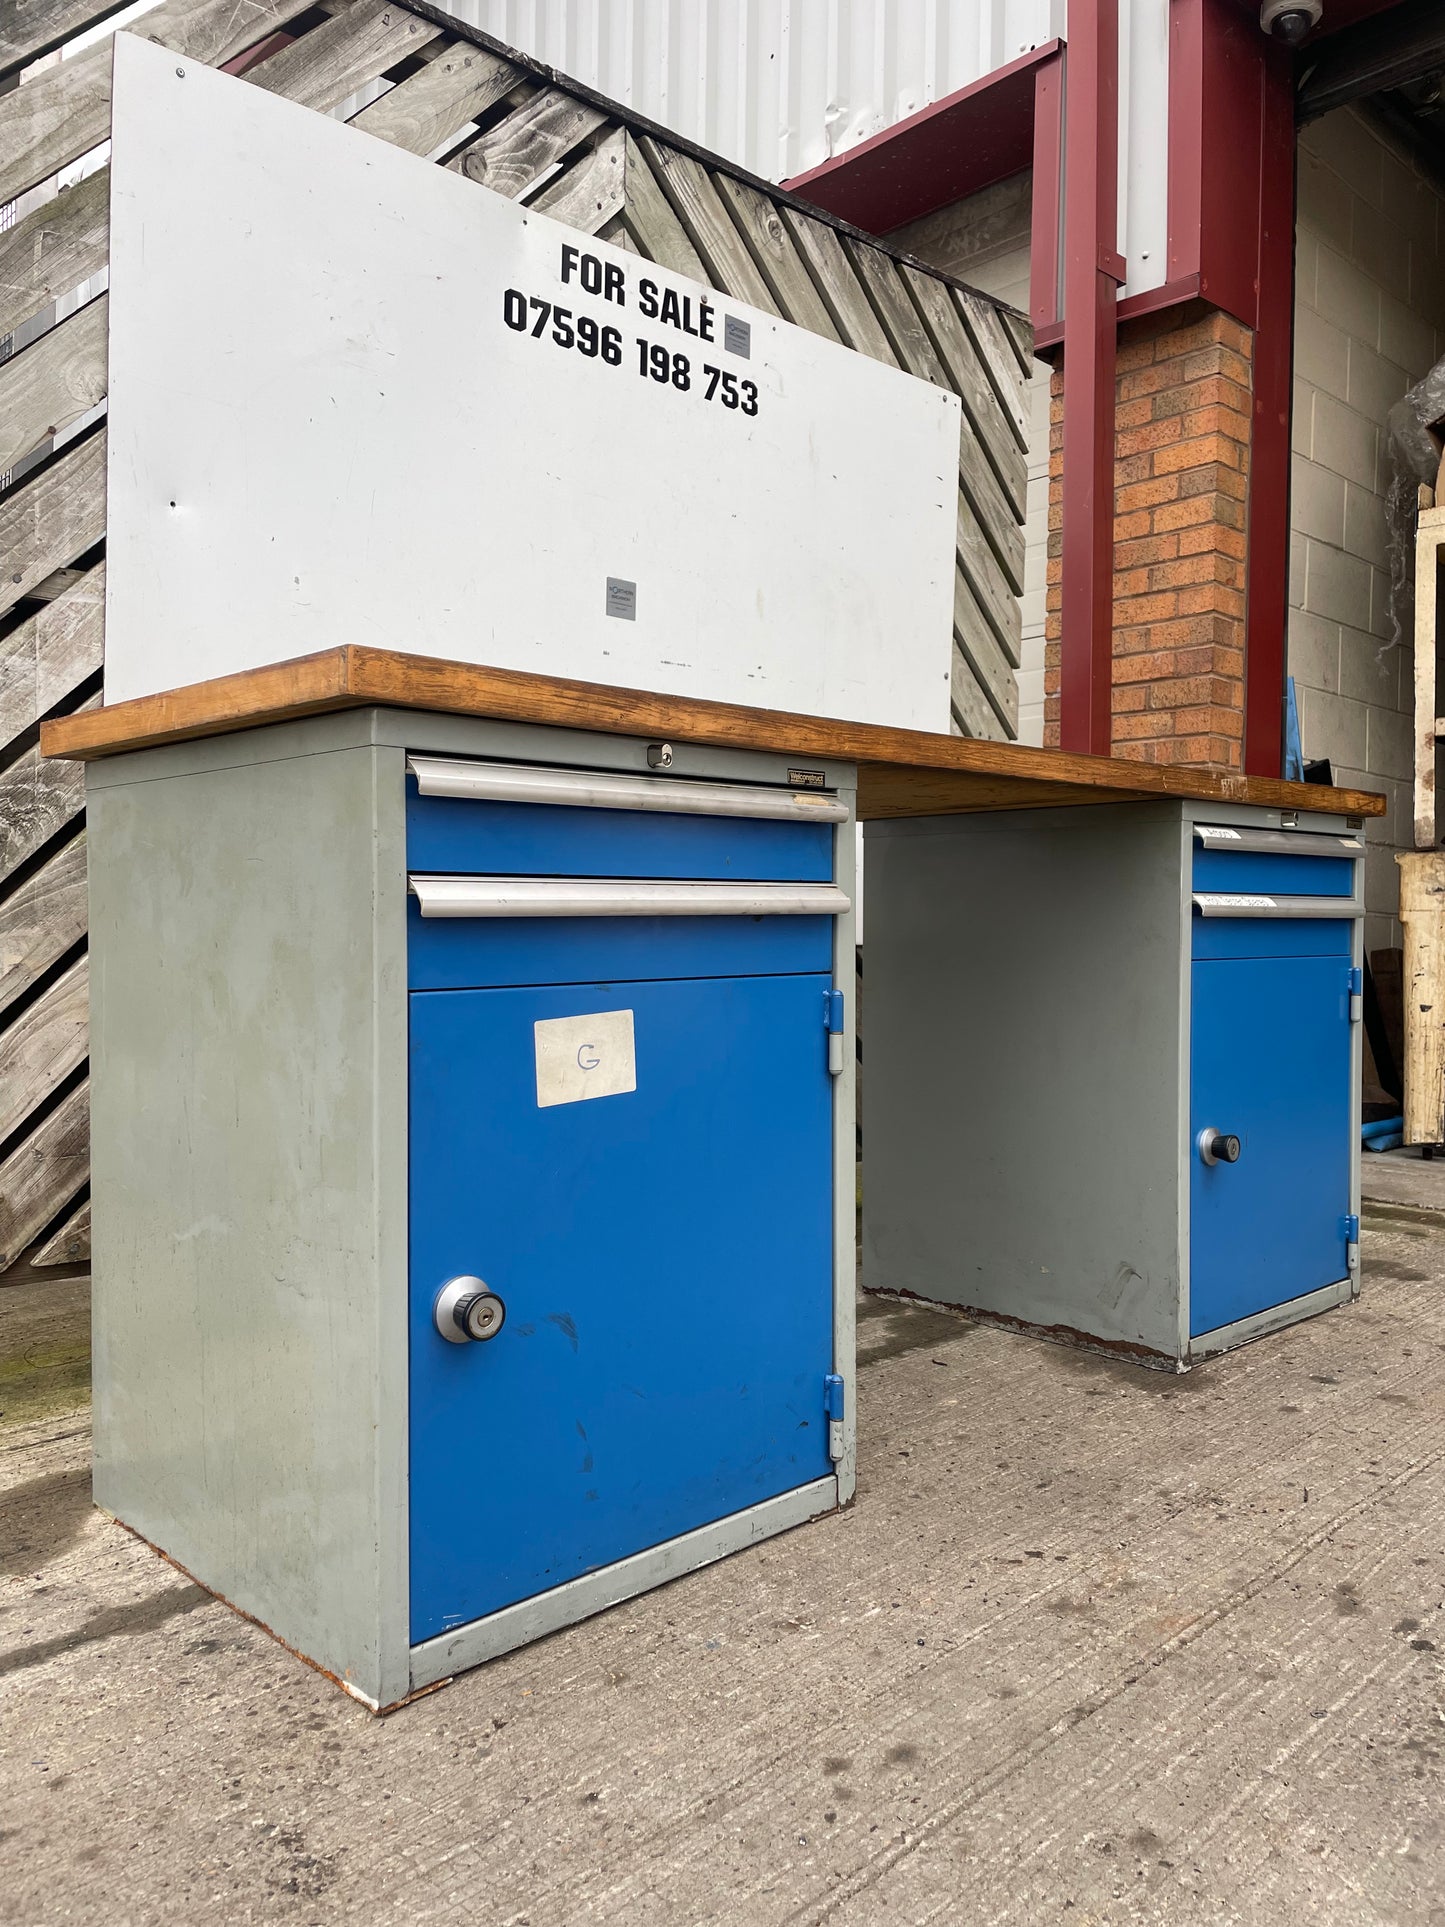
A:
x: 1267, y: 585
x: 1092, y: 274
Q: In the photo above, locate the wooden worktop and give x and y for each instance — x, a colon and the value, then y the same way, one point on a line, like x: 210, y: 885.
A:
x: 901, y: 772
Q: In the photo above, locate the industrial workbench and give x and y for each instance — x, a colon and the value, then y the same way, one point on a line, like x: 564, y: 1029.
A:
x: 412, y: 1353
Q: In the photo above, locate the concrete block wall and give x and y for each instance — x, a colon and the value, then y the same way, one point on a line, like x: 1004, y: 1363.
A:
x: 1369, y: 323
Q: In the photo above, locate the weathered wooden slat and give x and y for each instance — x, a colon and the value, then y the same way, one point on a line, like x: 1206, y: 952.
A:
x: 51, y: 654
x: 615, y: 231
x: 32, y: 27
x: 65, y: 111
x: 41, y: 920
x: 52, y: 383
x: 43, y: 1173
x: 688, y: 186
x: 54, y: 248
x: 455, y: 87
x: 821, y: 247
x: 37, y: 800
x: 985, y: 658
x: 1000, y: 609
x: 650, y: 221
x: 995, y: 351
x: 49, y: 520
x: 592, y: 190
x: 972, y: 712
x: 343, y: 53
x: 1020, y: 338
x: 70, y: 1245
x: 43, y: 1045
x: 916, y: 353
x: 511, y: 155
x: 760, y: 223
x: 992, y: 432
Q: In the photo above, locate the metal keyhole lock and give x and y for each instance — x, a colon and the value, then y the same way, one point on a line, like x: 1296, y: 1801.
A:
x: 1218, y: 1147
x: 465, y: 1310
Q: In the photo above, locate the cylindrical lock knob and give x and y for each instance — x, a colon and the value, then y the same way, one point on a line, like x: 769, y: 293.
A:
x: 466, y: 1310
x: 1218, y: 1147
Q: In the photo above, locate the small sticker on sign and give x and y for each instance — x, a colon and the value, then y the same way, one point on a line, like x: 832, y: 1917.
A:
x: 621, y: 598
x: 582, y: 1057
x: 738, y: 337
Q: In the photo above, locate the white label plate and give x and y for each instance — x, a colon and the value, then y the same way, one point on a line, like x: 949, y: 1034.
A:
x: 582, y: 1057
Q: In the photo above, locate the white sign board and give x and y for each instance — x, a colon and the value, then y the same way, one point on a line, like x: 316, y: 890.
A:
x: 355, y: 398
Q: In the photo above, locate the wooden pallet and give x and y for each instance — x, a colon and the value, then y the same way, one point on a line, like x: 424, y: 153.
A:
x: 429, y: 84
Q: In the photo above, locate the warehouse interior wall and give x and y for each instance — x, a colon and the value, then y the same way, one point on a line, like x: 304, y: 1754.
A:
x: 1369, y: 323
x: 984, y: 240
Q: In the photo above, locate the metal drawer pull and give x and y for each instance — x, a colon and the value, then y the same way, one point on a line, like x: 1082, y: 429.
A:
x: 452, y: 896
x: 590, y: 790
x: 1214, y: 836
x: 1221, y: 903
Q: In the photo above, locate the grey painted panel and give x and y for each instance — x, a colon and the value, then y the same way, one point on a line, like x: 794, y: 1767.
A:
x: 1026, y: 1067
x: 249, y: 1189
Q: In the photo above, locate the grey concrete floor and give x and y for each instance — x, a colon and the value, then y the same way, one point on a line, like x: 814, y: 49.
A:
x: 1094, y: 1645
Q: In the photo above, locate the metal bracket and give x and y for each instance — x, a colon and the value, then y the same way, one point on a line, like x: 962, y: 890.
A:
x: 1112, y: 263
x: 1357, y: 994
x: 1352, y: 1242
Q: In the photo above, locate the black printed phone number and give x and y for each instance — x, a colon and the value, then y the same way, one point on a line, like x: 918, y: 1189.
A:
x: 529, y: 314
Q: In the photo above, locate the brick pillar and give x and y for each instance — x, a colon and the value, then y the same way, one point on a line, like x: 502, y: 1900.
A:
x: 1182, y: 408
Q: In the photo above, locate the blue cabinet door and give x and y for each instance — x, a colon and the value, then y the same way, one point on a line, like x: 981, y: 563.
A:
x: 665, y: 1255
x: 1270, y: 1063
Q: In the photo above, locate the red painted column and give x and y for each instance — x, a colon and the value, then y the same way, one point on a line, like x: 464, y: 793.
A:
x: 1092, y: 272
x: 1267, y: 590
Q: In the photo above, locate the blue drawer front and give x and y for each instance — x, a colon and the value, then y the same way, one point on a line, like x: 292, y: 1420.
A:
x: 1270, y: 1062
x: 666, y: 1259
x: 459, y: 953
x: 446, y: 834
x: 1271, y: 870
x: 1271, y: 937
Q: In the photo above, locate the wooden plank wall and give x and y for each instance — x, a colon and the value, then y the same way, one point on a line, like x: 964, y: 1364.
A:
x: 438, y: 91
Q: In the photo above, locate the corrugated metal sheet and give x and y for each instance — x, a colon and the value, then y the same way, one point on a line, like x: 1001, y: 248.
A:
x: 778, y: 86
x: 775, y: 87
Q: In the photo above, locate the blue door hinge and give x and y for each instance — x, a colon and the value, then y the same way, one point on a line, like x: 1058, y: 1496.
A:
x: 1352, y: 1241
x: 1357, y: 994
x: 833, y: 1410
x: 833, y: 1024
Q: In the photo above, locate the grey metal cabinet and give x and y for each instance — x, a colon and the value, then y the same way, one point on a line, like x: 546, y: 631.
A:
x: 1113, y: 1070
x: 447, y: 1077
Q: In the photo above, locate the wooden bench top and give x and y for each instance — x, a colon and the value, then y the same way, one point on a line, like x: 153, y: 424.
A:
x: 901, y: 772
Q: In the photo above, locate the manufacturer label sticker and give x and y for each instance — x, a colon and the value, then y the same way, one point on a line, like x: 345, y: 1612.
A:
x: 582, y: 1057
x: 621, y: 598
x: 738, y: 337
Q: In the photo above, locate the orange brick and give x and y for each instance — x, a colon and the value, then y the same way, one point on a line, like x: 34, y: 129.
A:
x: 1127, y: 728
x: 1146, y: 494
x: 1150, y: 608
x: 1185, y: 514
x: 1175, y: 692
x: 1128, y: 696
x: 1212, y: 597
x: 1144, y: 550
x: 1145, y: 668
x: 1200, y: 452
x: 1138, y: 383
x: 1132, y: 469
x: 1183, y: 571
x: 1133, y: 354
x: 1154, y: 434
x: 1217, y: 420
x: 1209, y: 391
x: 1128, y: 528
x: 1130, y: 582
x: 1217, y: 361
